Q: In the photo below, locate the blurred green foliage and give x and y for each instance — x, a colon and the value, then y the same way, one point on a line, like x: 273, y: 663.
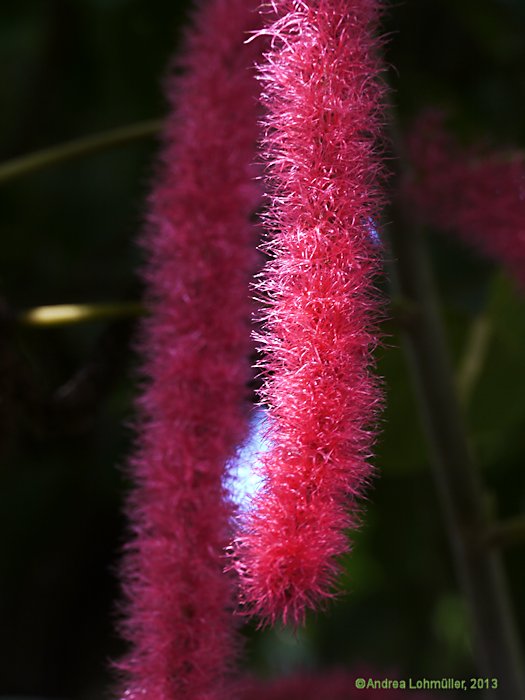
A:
x: 74, y: 67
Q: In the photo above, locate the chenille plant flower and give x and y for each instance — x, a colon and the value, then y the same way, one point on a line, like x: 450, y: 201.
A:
x: 324, y: 109
x: 474, y: 192
x: 200, y: 247
x: 337, y: 684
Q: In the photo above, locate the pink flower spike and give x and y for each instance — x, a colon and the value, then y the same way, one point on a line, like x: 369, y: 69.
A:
x: 196, y: 343
x: 474, y: 192
x: 324, y: 101
x: 336, y: 684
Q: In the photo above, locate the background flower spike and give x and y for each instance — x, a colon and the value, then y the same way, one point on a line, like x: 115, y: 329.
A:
x: 201, y: 254
x: 474, y: 192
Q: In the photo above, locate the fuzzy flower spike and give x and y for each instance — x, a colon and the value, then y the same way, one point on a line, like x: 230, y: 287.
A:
x: 472, y: 191
x: 196, y: 342
x: 324, y: 100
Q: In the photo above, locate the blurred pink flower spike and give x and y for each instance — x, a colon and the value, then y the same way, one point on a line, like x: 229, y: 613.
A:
x: 475, y: 192
x: 201, y: 256
x: 336, y: 684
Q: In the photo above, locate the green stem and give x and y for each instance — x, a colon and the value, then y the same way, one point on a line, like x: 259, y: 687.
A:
x: 475, y: 355
x: 68, y: 314
x: 478, y: 567
x: 48, y: 157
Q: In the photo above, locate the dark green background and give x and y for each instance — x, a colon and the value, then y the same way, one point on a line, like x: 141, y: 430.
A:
x: 67, y: 235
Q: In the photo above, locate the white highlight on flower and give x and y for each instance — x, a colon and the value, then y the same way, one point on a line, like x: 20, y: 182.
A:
x: 374, y: 233
x: 245, y: 479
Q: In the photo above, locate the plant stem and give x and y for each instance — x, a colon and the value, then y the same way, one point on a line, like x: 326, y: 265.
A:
x: 17, y: 167
x: 67, y: 314
x: 474, y: 358
x: 478, y: 567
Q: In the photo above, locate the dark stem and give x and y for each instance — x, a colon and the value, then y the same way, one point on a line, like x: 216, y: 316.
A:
x: 478, y: 566
x: 84, y: 146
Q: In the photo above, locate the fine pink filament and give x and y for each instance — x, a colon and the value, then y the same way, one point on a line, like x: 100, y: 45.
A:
x: 323, y: 98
